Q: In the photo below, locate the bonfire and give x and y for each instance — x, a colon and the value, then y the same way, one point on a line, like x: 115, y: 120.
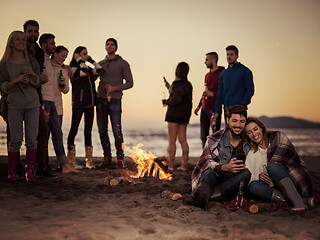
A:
x: 148, y: 164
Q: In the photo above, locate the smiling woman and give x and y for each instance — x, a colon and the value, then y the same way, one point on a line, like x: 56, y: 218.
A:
x: 274, y: 160
x: 19, y: 78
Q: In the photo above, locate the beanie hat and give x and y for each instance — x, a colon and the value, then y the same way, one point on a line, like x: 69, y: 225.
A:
x: 114, y: 41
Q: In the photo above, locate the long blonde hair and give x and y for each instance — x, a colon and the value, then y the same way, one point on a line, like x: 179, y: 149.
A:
x: 9, y: 50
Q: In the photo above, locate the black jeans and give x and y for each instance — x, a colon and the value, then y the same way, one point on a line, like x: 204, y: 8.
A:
x: 205, y: 124
x: 230, y: 183
x: 77, y: 113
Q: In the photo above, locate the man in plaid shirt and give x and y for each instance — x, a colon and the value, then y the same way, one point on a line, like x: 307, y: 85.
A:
x: 219, y: 170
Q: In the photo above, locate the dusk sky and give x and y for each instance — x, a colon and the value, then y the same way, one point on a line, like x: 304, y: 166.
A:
x: 277, y: 40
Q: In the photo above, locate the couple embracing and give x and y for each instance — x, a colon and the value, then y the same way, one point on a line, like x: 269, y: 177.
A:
x: 271, y: 170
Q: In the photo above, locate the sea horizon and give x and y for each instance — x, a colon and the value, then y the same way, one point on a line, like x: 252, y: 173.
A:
x: 154, y: 140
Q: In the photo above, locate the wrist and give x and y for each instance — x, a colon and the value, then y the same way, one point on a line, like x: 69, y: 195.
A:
x: 224, y: 168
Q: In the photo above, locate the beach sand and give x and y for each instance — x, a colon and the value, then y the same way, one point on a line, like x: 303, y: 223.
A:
x: 80, y: 206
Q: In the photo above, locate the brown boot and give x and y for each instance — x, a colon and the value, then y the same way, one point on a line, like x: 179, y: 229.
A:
x: 120, y: 164
x: 72, y: 157
x: 89, y: 157
x: 72, y: 154
x: 106, y: 164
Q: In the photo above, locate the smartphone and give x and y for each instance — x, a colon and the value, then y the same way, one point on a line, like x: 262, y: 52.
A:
x: 241, y: 157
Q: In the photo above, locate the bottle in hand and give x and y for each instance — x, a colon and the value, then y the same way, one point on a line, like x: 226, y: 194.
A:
x: 213, y: 123
x: 61, y: 83
x: 26, y: 77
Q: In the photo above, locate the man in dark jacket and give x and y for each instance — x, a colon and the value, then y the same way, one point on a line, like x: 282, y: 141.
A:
x: 235, y: 83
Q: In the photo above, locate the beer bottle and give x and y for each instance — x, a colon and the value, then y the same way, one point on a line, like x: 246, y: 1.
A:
x: 240, y: 195
x: 61, y: 84
x: 213, y: 123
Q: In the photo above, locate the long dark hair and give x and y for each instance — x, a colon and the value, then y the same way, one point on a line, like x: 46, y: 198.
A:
x: 265, y: 134
x: 73, y: 62
x: 182, y: 71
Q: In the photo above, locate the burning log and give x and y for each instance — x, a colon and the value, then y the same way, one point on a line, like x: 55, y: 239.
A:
x: 162, y: 166
x: 148, y: 164
x: 170, y: 195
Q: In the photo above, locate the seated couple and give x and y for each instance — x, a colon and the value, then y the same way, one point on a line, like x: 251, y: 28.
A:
x: 270, y: 159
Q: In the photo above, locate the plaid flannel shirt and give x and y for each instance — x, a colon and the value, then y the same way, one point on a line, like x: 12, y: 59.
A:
x: 209, y: 158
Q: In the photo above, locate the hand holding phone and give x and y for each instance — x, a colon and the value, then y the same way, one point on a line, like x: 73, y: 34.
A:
x: 241, y: 157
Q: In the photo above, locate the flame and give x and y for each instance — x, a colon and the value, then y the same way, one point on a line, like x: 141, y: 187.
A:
x: 147, y: 164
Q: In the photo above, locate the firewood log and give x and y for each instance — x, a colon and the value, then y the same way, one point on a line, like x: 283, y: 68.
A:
x: 259, y: 207
x: 111, y: 181
x: 114, y: 181
x: 128, y: 181
x: 170, y: 195
x: 106, y: 181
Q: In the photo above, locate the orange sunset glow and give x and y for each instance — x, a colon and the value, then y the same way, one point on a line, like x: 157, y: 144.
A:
x: 277, y: 40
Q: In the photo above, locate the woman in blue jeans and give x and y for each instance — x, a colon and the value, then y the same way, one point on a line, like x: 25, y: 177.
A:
x: 84, y: 98
x: 58, y: 82
x: 277, y: 171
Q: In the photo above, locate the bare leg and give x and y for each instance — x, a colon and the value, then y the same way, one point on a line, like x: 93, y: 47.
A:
x: 182, y: 138
x: 67, y: 168
x: 172, y: 137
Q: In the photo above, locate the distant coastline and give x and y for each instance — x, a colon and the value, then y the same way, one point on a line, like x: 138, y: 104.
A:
x: 283, y: 122
x: 288, y: 122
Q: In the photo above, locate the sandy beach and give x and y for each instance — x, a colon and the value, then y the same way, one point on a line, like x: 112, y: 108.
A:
x: 81, y: 206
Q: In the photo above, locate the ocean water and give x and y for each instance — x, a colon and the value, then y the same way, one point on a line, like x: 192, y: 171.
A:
x: 154, y: 139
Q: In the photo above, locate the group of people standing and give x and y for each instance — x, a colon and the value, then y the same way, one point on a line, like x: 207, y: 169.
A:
x: 32, y: 80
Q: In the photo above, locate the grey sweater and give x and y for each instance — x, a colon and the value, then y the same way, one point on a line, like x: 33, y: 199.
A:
x: 116, y: 70
x: 27, y: 97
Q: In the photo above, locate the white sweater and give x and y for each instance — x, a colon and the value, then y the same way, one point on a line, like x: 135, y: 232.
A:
x: 51, y: 90
x: 255, y: 162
